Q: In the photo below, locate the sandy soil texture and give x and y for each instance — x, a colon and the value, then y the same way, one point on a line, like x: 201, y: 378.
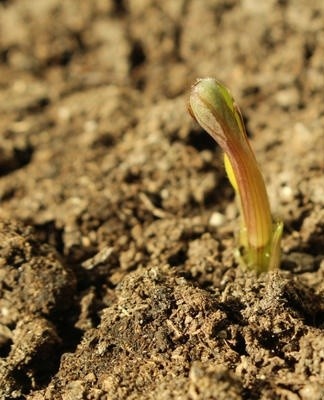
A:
x: 117, y: 222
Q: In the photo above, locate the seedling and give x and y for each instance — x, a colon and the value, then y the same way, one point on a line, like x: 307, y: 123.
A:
x: 213, y: 107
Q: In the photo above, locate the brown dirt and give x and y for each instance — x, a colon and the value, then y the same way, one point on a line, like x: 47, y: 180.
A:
x: 117, y: 277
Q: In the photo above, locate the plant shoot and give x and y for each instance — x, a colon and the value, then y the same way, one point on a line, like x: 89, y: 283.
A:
x: 213, y: 107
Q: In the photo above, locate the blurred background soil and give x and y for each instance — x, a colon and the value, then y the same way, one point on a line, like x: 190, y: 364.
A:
x: 117, y: 223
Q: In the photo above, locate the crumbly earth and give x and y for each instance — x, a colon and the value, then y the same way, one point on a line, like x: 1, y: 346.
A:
x: 117, y: 223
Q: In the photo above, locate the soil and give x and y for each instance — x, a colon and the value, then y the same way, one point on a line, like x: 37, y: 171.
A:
x: 117, y: 222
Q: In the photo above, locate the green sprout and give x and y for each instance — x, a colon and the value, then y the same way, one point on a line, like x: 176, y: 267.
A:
x: 213, y: 107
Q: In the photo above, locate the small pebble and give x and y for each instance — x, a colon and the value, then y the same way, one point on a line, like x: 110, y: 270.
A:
x: 217, y: 219
x: 286, y: 194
